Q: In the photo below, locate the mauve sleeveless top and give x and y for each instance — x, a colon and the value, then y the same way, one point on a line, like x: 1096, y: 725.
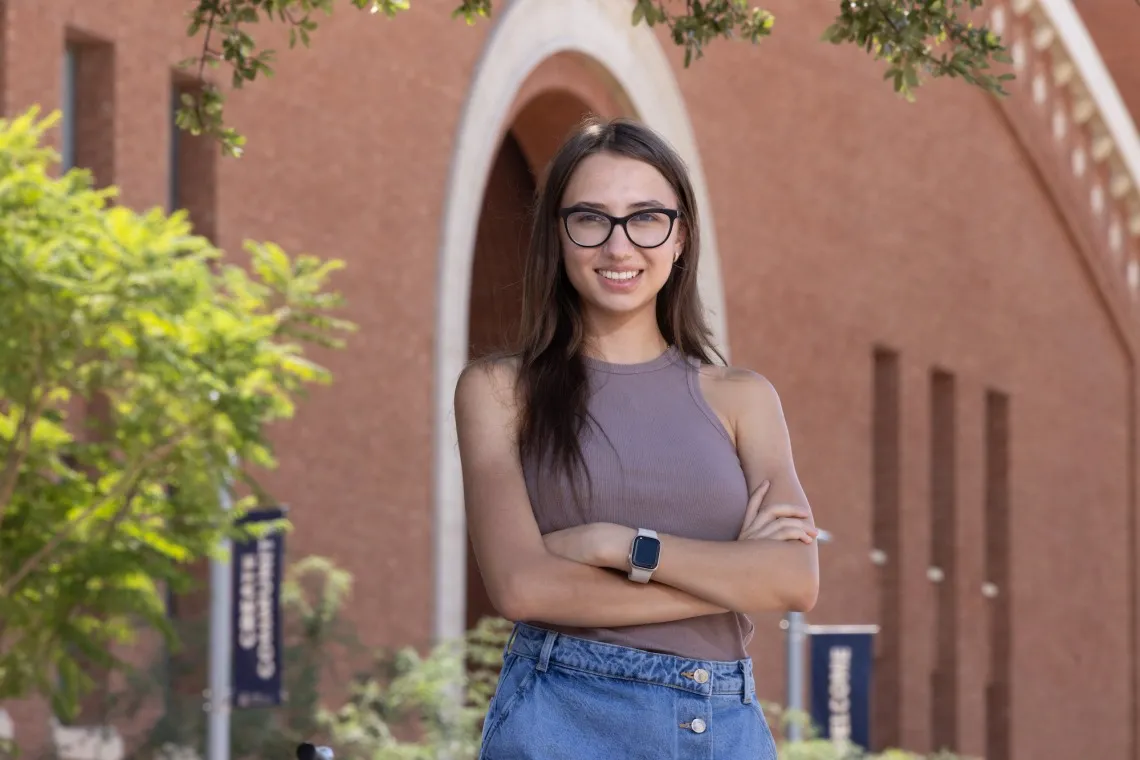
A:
x: 658, y: 458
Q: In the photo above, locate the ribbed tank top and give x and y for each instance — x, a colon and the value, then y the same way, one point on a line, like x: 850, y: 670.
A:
x: 658, y: 458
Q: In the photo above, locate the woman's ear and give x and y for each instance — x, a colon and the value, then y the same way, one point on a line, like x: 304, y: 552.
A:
x: 679, y: 240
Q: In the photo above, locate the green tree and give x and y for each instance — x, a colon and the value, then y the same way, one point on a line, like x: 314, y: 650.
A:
x: 139, y: 372
x: 914, y: 39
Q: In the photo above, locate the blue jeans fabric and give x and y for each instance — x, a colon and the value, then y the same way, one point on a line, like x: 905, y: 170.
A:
x: 565, y: 698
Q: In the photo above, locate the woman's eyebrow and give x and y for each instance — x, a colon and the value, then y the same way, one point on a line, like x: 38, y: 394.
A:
x: 651, y: 203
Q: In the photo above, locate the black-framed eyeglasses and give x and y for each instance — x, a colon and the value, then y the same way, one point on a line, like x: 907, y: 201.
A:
x: 645, y: 228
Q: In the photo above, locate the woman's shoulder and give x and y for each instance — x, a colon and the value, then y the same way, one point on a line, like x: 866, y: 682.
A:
x: 502, y: 366
x: 489, y: 378
x: 740, y: 379
x: 739, y: 390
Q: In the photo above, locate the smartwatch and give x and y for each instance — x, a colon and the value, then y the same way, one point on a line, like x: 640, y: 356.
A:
x: 644, y: 555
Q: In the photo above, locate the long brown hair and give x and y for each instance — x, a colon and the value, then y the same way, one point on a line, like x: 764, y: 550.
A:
x: 552, y: 379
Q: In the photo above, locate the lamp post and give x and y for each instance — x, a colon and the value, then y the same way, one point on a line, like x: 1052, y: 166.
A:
x: 794, y: 640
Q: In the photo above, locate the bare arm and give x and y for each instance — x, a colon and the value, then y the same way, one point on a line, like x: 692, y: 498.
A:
x: 749, y: 575
x: 523, y: 579
x: 745, y: 576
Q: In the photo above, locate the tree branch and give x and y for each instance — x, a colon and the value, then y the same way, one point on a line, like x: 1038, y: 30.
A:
x: 114, y: 522
x: 206, y: 42
x: 206, y: 53
x: 121, y: 488
x: 888, y: 19
x: 21, y: 443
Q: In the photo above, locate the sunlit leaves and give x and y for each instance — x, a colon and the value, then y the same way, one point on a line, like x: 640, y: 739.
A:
x: 915, y: 38
x: 135, y: 366
x: 703, y: 22
x: 922, y: 38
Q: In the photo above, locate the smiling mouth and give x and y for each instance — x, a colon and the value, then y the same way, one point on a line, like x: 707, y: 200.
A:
x: 625, y: 276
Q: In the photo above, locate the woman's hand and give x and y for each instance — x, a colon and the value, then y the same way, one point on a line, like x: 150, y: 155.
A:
x: 596, y: 544
x: 607, y: 544
x: 776, y: 522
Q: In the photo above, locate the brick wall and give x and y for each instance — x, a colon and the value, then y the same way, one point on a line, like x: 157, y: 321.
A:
x: 847, y: 221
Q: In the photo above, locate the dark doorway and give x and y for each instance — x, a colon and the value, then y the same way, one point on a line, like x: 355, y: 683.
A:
x: 496, y: 290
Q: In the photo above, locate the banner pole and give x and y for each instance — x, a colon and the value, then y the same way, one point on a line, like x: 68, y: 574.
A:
x: 794, y: 662
x: 795, y: 673
x: 221, y: 645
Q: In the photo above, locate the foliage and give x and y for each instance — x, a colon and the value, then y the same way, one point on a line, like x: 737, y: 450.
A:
x: 408, y: 694
x: 824, y: 749
x: 399, y: 689
x: 135, y: 368
x: 815, y: 747
x: 317, y: 637
x: 915, y: 38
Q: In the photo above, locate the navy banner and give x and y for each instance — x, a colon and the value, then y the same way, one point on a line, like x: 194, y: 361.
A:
x: 258, y: 639
x: 841, y: 662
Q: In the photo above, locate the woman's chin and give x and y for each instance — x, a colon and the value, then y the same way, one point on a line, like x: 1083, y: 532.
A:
x: 615, y: 304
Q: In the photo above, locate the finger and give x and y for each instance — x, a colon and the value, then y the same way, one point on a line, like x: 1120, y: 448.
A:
x: 754, y: 502
x: 762, y: 490
x: 774, y: 512
x: 783, y: 523
x: 794, y: 534
x: 806, y: 537
x: 780, y: 523
x: 770, y: 530
x: 787, y: 534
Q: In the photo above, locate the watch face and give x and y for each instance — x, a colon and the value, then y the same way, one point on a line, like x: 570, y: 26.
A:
x: 646, y: 552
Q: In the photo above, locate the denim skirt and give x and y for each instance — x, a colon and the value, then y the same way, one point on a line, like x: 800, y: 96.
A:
x: 566, y: 698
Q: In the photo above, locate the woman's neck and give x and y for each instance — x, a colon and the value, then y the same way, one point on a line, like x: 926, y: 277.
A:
x: 628, y: 341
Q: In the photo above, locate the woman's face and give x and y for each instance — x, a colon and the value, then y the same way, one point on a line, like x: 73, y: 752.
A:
x: 625, y: 273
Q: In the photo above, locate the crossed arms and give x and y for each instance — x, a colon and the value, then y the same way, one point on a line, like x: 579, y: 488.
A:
x: 567, y: 577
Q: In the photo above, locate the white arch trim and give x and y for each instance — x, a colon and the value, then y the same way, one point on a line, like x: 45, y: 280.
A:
x: 527, y: 33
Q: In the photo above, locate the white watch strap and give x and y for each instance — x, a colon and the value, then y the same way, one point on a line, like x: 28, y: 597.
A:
x: 638, y: 574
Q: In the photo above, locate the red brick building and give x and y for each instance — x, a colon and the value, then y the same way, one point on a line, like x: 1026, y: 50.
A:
x: 945, y: 294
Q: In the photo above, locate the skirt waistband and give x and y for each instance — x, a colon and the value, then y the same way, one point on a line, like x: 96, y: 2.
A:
x: 696, y: 676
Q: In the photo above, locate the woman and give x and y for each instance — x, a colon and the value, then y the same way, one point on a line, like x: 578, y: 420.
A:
x: 618, y: 482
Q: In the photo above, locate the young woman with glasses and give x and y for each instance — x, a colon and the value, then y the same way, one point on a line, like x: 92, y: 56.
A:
x: 630, y: 498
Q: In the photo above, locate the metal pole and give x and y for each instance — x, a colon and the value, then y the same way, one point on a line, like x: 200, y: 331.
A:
x: 218, y: 696
x: 796, y: 669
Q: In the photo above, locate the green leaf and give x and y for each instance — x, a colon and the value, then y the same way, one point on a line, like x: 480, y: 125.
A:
x: 911, y: 76
x: 134, y: 362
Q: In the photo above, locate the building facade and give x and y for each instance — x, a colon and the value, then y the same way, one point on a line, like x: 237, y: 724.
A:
x: 944, y: 293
